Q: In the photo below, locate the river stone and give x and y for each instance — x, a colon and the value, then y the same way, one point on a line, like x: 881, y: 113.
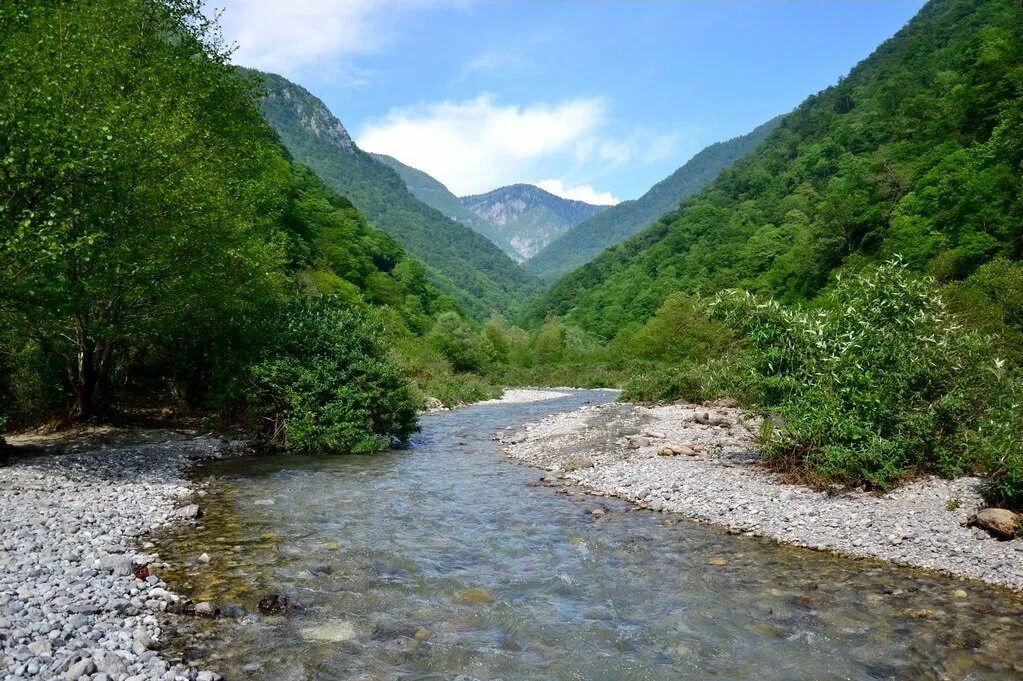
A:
x: 206, y: 609
x: 578, y: 462
x: 274, y: 604
x: 709, y: 419
x: 332, y: 631
x: 433, y: 404
x: 998, y: 521
x: 41, y: 648
x: 476, y: 596
x: 109, y: 663
x: 77, y: 670
x: 188, y: 512
x: 116, y: 564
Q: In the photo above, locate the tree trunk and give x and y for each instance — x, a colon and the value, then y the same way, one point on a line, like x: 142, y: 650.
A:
x: 84, y: 381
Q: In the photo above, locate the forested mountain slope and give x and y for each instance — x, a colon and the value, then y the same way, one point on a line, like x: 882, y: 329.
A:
x: 433, y: 193
x: 528, y: 217
x: 463, y: 263
x: 916, y: 153
x: 585, y: 242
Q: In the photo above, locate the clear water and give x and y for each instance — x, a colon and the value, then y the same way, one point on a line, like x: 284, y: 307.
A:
x: 447, y: 560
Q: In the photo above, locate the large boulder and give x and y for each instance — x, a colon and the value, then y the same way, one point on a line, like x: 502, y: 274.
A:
x: 1000, y: 522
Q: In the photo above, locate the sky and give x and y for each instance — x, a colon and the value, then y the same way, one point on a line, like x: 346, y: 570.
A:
x: 595, y: 100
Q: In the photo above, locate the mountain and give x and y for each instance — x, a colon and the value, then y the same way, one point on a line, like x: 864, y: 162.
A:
x: 432, y: 192
x: 585, y: 242
x: 527, y: 217
x: 917, y: 153
x: 462, y: 263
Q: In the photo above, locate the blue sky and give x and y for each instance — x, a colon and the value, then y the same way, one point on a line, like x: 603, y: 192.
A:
x: 595, y: 100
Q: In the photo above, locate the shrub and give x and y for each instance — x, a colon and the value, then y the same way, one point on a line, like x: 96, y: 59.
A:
x: 680, y: 332
x: 458, y: 342
x: 876, y: 383
x: 326, y: 384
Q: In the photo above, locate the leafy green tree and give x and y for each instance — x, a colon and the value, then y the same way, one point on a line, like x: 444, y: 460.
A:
x: 458, y: 342
x: 325, y: 383
x: 140, y: 185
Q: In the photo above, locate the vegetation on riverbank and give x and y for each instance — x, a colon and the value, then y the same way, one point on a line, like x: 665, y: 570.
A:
x: 873, y: 371
x: 158, y: 244
x: 857, y: 278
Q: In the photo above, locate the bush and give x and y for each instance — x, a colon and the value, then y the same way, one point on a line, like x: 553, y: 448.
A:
x: 458, y: 389
x: 877, y: 383
x: 326, y: 384
x: 458, y: 342
x: 680, y: 332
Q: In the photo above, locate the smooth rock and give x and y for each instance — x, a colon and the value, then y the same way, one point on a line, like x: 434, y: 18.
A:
x: 1000, y: 522
x: 189, y: 512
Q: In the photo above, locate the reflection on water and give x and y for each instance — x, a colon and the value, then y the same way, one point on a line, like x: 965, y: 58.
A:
x: 444, y: 560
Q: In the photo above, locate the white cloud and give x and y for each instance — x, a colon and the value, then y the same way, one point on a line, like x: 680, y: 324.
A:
x: 286, y: 35
x: 579, y: 192
x: 496, y: 60
x: 476, y: 145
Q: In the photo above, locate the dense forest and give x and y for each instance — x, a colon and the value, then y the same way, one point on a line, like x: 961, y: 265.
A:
x: 433, y: 193
x: 158, y: 244
x: 588, y: 239
x: 857, y: 277
x: 463, y: 263
x: 916, y: 153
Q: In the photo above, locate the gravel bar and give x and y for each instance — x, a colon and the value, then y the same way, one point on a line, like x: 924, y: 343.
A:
x: 72, y: 546
x: 703, y: 462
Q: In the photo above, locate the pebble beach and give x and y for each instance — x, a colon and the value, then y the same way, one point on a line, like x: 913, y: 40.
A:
x: 702, y: 462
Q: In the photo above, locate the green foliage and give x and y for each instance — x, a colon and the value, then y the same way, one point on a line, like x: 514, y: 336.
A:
x: 459, y: 343
x: 681, y: 331
x: 991, y: 301
x: 462, y: 263
x: 917, y: 152
x: 140, y: 187
x: 877, y: 382
x: 587, y: 239
x: 327, y: 384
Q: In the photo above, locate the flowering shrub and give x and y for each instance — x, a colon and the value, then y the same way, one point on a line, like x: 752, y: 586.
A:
x: 877, y: 382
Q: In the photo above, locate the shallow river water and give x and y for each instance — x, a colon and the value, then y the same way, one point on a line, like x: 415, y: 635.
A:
x: 446, y: 559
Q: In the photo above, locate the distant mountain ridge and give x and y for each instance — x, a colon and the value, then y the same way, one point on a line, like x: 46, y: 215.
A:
x: 461, y: 262
x: 433, y: 193
x: 588, y: 239
x: 528, y: 217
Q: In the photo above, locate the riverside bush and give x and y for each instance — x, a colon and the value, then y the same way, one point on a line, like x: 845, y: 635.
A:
x: 878, y: 382
x: 326, y: 383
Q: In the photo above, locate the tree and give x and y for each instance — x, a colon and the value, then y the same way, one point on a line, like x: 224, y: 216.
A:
x: 139, y: 184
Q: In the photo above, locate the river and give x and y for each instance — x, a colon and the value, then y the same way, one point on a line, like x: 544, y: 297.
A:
x: 446, y: 559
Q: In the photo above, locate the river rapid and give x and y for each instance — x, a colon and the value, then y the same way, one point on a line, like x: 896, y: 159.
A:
x: 446, y: 560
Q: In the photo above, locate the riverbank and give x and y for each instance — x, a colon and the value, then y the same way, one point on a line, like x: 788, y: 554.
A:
x: 79, y: 595
x: 711, y: 472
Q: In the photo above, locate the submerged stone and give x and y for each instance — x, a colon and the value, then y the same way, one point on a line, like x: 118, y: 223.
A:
x: 332, y: 631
